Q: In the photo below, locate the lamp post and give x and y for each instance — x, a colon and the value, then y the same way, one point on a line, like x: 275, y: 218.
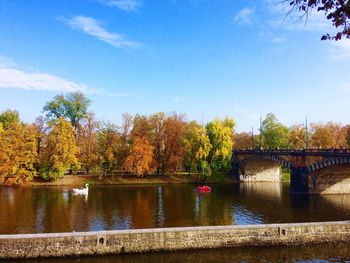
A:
x: 306, y: 134
x: 260, y: 132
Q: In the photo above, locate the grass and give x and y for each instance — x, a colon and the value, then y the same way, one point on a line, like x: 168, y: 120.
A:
x: 286, y: 175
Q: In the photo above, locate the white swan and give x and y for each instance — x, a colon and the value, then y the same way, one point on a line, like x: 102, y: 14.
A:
x: 81, y: 191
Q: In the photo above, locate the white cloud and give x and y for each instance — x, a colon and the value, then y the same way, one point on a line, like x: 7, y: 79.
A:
x: 93, y: 28
x: 14, y: 77
x: 20, y: 79
x: 340, y: 50
x: 279, y: 40
x: 126, y: 5
x: 244, y: 17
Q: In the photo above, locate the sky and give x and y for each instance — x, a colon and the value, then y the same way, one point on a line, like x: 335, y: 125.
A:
x: 204, y: 58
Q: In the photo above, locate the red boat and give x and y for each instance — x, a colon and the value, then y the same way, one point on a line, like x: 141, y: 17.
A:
x: 203, y: 189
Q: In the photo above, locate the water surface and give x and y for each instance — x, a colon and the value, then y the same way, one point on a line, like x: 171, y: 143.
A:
x: 42, y: 210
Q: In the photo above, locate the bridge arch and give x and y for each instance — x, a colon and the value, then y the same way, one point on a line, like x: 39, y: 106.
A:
x: 262, y: 168
x: 328, y: 162
x: 283, y: 162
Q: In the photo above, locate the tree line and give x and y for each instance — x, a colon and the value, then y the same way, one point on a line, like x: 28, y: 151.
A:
x: 274, y: 135
x: 69, y: 139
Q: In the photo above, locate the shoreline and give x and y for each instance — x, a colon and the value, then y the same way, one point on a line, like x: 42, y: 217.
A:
x: 80, y: 180
x: 94, y: 243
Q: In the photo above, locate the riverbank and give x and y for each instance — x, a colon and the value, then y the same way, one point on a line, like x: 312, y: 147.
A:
x: 170, y: 239
x: 80, y: 180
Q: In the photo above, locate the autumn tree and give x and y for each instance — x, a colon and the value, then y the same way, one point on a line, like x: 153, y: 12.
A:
x: 59, y: 151
x: 297, y: 136
x: 197, y: 146
x: 220, y: 135
x: 9, y: 117
x: 157, y: 139
x: 87, y: 142
x: 124, y: 141
x: 73, y: 107
x: 173, y: 150
x: 18, y: 153
x: 140, y: 159
x: 244, y: 140
x: 274, y: 133
x: 107, y: 138
x: 347, y: 131
x: 337, y: 11
x: 142, y: 127
x: 329, y: 135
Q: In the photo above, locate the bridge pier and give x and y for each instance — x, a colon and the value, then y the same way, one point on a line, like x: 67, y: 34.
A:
x: 313, y: 171
x: 299, y: 181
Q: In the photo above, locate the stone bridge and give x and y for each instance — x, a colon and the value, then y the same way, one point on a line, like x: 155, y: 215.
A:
x: 312, y: 171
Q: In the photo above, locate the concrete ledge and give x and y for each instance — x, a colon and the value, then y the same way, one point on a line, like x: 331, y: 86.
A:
x: 168, y: 239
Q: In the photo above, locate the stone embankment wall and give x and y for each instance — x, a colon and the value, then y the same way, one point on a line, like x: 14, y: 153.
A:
x: 162, y: 239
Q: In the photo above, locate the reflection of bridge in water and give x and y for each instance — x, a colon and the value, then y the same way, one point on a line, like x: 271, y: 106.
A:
x: 312, y: 171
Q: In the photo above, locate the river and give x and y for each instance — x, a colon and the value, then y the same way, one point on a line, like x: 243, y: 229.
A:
x: 57, y: 209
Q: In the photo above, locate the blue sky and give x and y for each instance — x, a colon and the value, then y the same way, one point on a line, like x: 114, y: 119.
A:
x: 205, y: 58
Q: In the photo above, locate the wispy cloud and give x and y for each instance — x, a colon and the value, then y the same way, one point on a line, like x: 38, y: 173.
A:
x: 94, y: 28
x: 244, y: 112
x: 244, y: 17
x: 126, y: 5
x: 283, y: 17
x: 340, y: 50
x: 20, y: 79
x: 13, y: 76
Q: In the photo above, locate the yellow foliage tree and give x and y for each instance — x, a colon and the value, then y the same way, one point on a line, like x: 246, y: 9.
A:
x: 59, y: 151
x: 140, y: 159
x: 297, y: 136
x: 18, y: 153
x: 197, y: 146
x: 329, y: 135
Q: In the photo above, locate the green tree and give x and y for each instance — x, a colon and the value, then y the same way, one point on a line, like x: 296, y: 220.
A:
x: 73, y: 107
x: 59, y: 151
x: 9, y: 117
x: 220, y: 133
x: 197, y: 146
x: 274, y: 134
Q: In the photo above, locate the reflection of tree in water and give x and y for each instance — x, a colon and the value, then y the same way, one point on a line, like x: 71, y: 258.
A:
x: 160, y: 207
x: 125, y: 207
x: 30, y: 210
x: 18, y: 209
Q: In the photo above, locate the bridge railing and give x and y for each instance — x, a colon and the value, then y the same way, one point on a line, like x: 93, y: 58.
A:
x: 293, y: 151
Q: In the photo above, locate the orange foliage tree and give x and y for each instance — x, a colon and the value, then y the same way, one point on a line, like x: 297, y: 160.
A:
x: 87, y: 143
x: 173, y: 150
x: 140, y: 159
x: 243, y: 140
